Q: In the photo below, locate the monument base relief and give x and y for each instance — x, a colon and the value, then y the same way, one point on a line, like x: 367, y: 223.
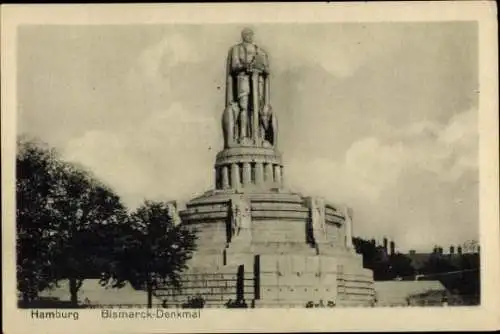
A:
x: 260, y: 245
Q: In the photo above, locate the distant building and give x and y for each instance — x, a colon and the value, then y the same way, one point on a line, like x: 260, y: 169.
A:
x: 411, y: 293
x: 419, y: 259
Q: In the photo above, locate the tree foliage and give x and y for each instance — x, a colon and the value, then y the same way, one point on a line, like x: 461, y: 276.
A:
x: 400, y: 266
x: 64, y: 215
x: 36, y: 175
x: 86, y: 211
x: 437, y: 264
x: 460, y: 274
x: 385, y: 266
x: 150, y: 250
x: 194, y: 302
x: 238, y: 303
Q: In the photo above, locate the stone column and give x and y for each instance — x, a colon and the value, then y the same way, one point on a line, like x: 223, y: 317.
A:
x: 225, y: 177
x: 259, y: 173
x: 247, y: 174
x: 235, y: 176
x: 277, y: 174
x: 217, y: 180
x: 269, y: 173
x: 282, y: 176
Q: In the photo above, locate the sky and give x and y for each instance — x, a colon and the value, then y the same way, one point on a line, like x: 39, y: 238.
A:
x: 379, y: 116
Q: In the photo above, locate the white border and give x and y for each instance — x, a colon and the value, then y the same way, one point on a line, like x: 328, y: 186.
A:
x: 484, y: 317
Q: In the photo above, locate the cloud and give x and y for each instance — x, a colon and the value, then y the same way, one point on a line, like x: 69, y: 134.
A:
x: 172, y: 50
x: 159, y: 138
x: 340, y: 50
x: 153, y: 79
x: 413, y: 180
x: 462, y: 135
x: 146, y: 160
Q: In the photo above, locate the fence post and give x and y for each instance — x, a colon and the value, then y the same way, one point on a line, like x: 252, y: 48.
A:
x: 256, y: 277
x: 240, y: 283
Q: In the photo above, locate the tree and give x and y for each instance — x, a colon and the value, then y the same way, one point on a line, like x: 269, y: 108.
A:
x: 437, y: 264
x: 459, y: 275
x: 152, y: 251
x: 374, y: 258
x: 194, y: 302
x: 36, y: 179
x: 470, y: 246
x: 401, y: 266
x: 468, y: 282
x: 384, y: 266
x: 87, y: 211
x: 236, y: 304
x: 63, y: 214
x: 367, y: 249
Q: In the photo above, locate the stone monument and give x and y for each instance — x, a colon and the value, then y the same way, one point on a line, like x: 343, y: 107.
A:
x: 259, y: 243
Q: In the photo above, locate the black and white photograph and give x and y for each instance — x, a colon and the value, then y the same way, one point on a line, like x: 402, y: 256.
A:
x: 167, y: 169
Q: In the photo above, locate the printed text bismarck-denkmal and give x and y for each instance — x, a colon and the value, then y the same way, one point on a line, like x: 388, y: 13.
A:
x: 150, y: 314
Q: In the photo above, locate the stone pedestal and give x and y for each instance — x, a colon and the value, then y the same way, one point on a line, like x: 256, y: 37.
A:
x: 270, y: 244
x: 261, y: 168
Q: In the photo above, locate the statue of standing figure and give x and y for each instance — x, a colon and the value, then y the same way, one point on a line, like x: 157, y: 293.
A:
x: 248, y: 118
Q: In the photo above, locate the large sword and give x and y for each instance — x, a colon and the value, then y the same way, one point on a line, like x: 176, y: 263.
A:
x: 255, y: 107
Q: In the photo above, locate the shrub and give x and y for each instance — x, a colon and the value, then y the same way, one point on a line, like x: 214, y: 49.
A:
x: 194, y: 302
x: 236, y: 304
